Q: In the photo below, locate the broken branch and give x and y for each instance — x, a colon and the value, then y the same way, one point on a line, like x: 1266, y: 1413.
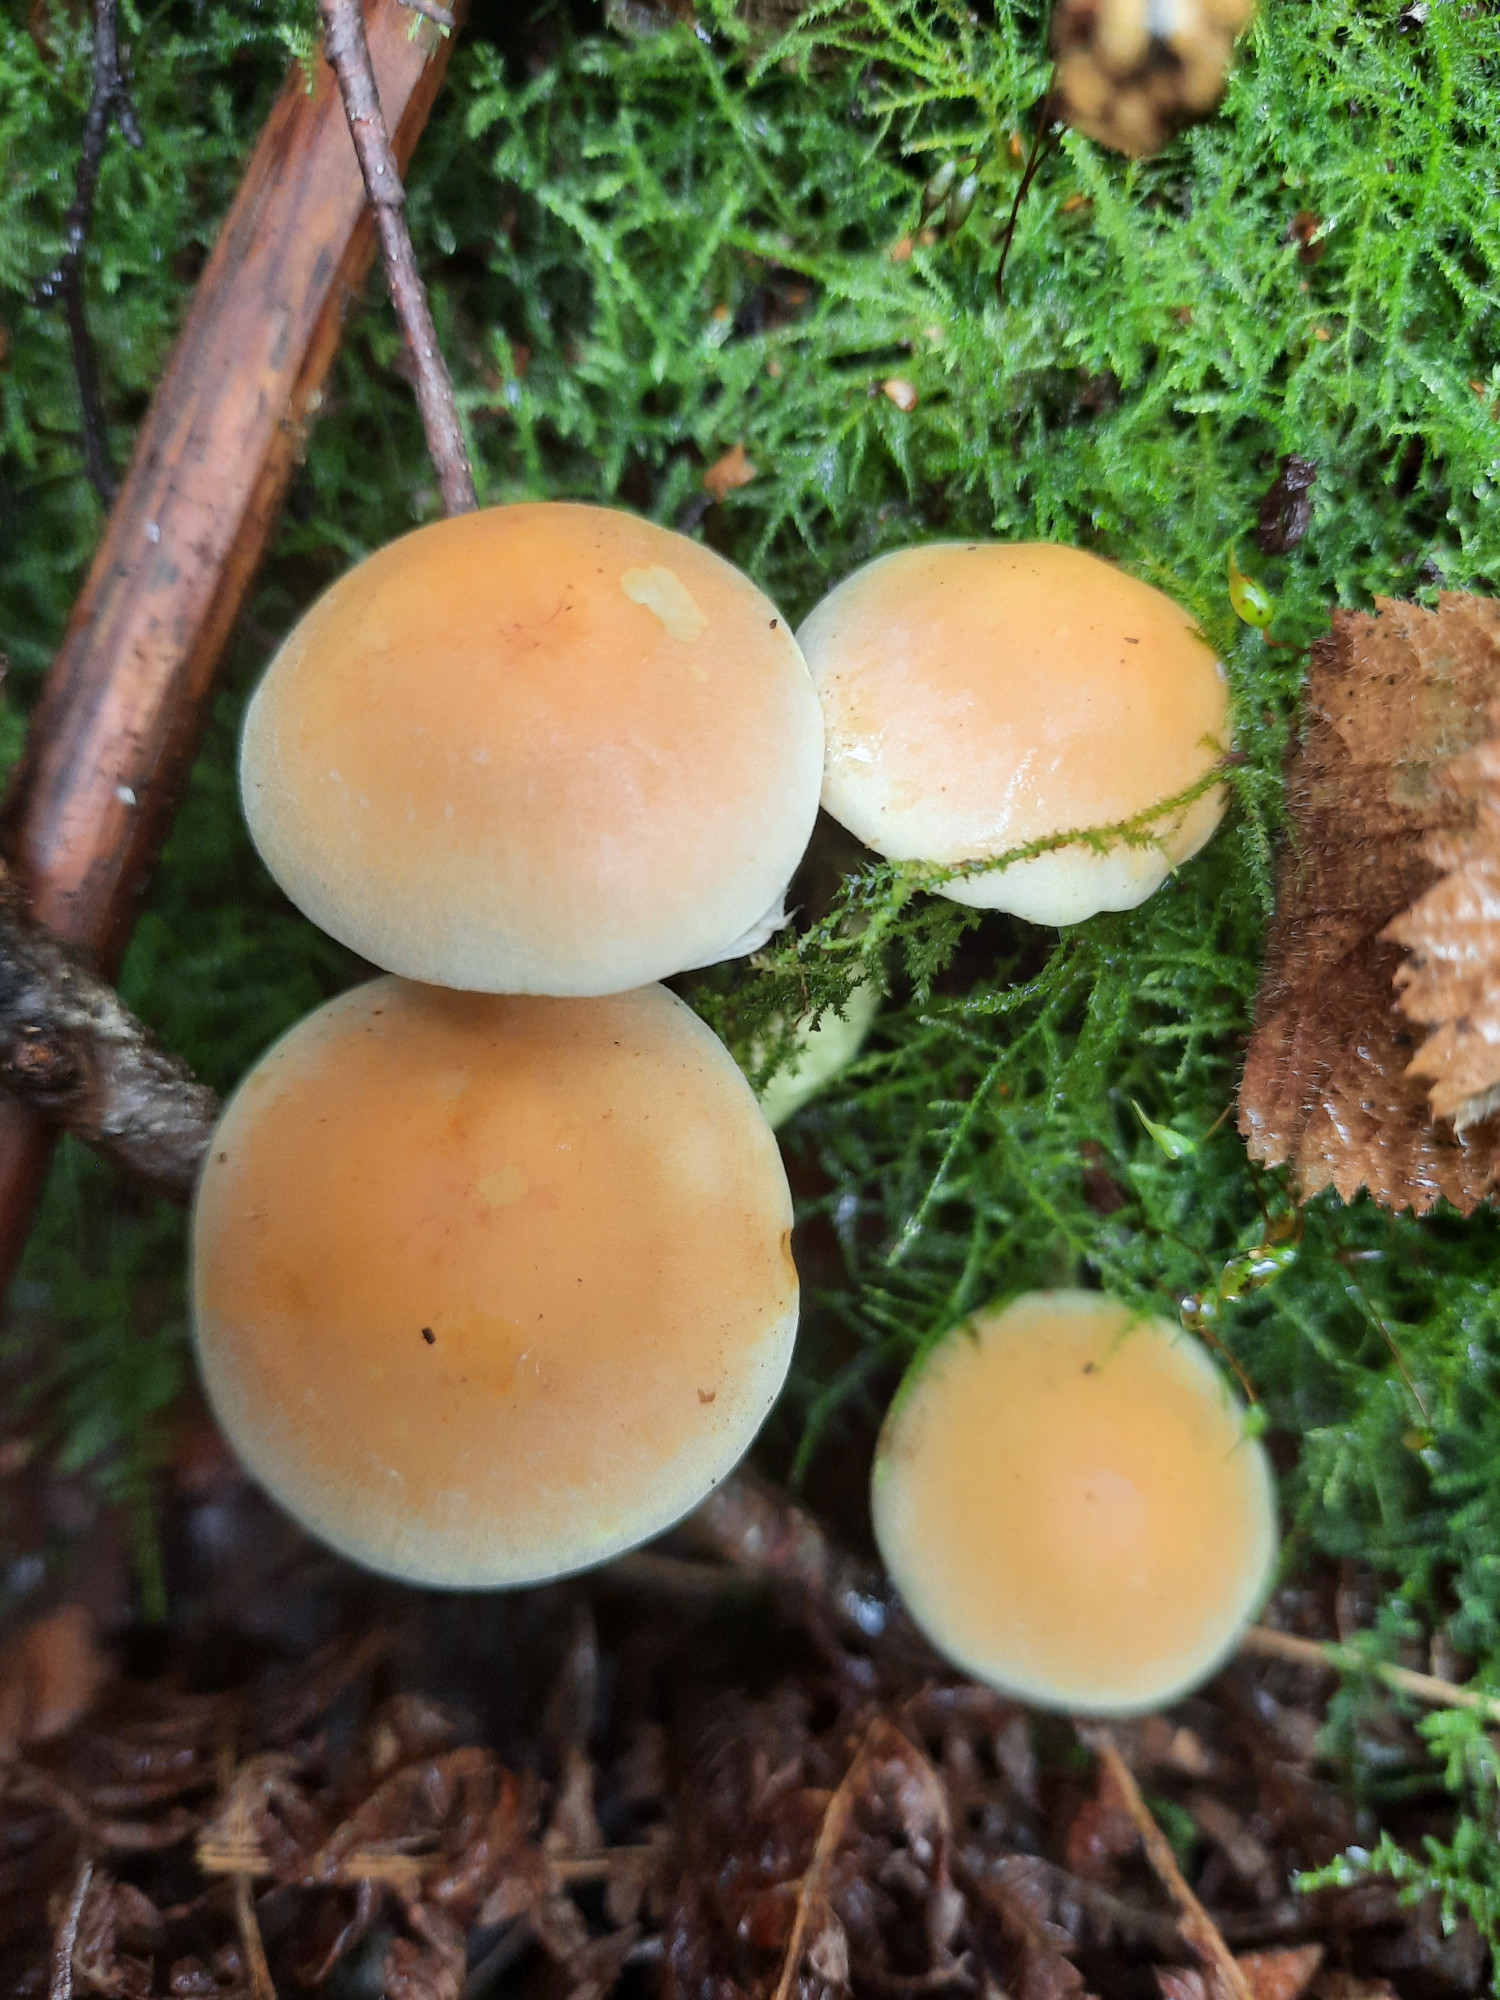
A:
x: 72, y: 1049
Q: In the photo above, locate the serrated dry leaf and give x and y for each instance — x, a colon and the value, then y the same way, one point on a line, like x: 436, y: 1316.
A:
x: 1451, y: 983
x: 1393, y: 697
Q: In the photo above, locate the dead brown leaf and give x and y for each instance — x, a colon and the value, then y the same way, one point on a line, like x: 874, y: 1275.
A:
x: 1392, y: 698
x: 1180, y: 1982
x: 1451, y: 983
x: 115, y: 1917
x: 726, y: 473
x: 49, y: 1675
x: 1017, y: 1889
x: 1100, y: 1832
x: 1282, y: 1975
x: 429, y: 1966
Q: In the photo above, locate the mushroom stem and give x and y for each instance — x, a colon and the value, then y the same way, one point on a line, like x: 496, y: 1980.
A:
x: 349, y: 55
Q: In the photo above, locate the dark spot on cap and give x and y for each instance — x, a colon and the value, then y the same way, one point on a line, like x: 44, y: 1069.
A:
x: 1091, y: 1368
x: 1132, y: 642
x: 429, y: 1336
x: 707, y: 1395
x: 774, y: 623
x: 222, y: 1158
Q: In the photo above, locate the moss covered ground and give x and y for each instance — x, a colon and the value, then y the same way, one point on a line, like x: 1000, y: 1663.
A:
x: 650, y: 242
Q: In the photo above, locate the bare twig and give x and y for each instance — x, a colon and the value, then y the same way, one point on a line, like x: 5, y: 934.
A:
x: 1225, y: 1974
x: 71, y: 1048
x: 109, y: 105
x: 349, y: 55
x: 1273, y: 1645
x: 64, y: 1944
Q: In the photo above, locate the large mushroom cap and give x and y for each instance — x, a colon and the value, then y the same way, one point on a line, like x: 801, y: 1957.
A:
x: 539, y: 749
x: 1067, y: 1501
x: 486, y: 1290
x: 980, y: 696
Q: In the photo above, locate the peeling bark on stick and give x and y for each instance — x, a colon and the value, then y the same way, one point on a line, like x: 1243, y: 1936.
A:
x: 120, y: 713
x: 70, y: 1048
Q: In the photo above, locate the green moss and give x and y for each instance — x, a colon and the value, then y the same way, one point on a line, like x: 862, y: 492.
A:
x: 647, y: 250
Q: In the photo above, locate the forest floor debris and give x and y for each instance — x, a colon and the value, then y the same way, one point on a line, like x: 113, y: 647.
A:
x: 568, y: 1790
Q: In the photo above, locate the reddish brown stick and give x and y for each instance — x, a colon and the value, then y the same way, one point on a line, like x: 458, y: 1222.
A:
x: 119, y: 717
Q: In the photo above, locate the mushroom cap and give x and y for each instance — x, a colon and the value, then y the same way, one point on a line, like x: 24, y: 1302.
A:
x: 538, y: 749
x: 979, y: 696
x: 1067, y: 1501
x: 486, y: 1289
x: 824, y: 1052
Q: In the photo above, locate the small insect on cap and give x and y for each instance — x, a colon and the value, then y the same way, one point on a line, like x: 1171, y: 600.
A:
x: 538, y: 749
x: 1066, y: 1499
x: 486, y: 1290
x: 980, y: 697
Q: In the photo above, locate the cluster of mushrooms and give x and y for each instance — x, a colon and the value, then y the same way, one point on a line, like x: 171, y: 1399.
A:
x: 492, y: 1270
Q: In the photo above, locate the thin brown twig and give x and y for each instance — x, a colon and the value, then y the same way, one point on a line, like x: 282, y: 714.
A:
x: 349, y: 54
x: 1332, y: 1658
x: 109, y: 105
x: 810, y: 1888
x: 252, y: 1945
x: 1198, y: 1928
x: 237, y: 1784
x: 1041, y: 145
x: 65, y: 1943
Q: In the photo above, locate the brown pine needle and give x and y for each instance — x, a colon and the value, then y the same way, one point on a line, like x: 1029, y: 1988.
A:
x: 1437, y: 1693
x: 810, y: 1888
x: 253, y: 1950
x: 61, y: 1986
x: 1197, y: 1926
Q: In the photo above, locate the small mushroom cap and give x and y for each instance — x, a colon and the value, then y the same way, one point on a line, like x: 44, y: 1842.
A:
x: 1066, y: 1499
x: 824, y: 1052
x: 539, y: 749
x: 486, y: 1290
x: 981, y: 696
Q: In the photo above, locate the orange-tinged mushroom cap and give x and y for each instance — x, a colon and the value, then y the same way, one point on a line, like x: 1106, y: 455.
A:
x: 981, y: 696
x: 539, y: 749
x: 489, y: 1289
x: 1066, y: 1498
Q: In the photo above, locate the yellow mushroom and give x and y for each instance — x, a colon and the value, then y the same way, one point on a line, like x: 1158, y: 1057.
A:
x: 539, y: 749
x: 980, y: 697
x: 489, y: 1289
x: 1067, y: 1500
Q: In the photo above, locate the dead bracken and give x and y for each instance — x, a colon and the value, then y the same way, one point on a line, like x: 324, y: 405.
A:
x: 1382, y: 797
